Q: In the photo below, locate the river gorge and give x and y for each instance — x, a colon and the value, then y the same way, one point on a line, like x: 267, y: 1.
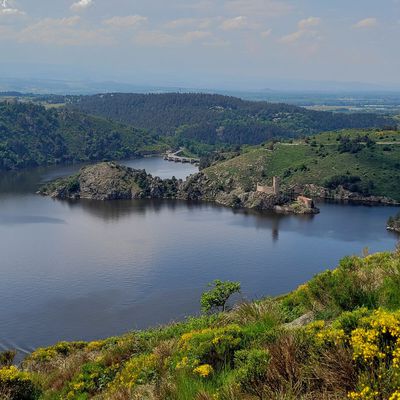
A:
x: 83, y: 270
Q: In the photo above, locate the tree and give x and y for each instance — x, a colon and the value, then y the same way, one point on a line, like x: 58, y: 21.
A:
x: 218, y: 295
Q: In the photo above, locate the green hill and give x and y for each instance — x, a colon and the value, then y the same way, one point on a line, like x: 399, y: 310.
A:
x: 215, y: 119
x: 367, y: 162
x: 31, y: 136
x: 336, y: 337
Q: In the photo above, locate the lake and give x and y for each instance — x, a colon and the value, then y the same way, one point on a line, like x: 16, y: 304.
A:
x: 86, y: 270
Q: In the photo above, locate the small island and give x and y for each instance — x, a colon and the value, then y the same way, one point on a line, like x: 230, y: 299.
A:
x: 111, y: 181
x: 393, y: 223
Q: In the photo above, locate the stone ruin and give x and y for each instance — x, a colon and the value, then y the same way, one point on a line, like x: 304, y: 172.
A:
x: 274, y: 189
x: 306, y: 201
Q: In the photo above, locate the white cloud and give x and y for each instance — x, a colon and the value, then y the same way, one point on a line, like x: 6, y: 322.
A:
x: 307, y: 23
x: 63, y: 32
x: 197, y: 23
x: 7, y: 9
x: 234, y: 23
x: 159, y: 38
x: 190, y: 37
x: 264, y: 8
x: 81, y: 5
x: 126, y: 21
x: 292, y: 37
x: 366, y: 23
x: 305, y: 28
x: 266, y: 33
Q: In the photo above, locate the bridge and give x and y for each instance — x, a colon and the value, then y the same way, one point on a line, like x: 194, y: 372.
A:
x: 175, y: 157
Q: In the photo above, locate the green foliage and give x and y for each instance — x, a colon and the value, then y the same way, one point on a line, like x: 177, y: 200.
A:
x: 62, y: 349
x: 372, y: 171
x: 216, y: 119
x: 252, y: 366
x: 18, y: 385
x: 351, y: 351
x: 31, y: 136
x: 357, y: 282
x: 7, y: 358
x: 214, y: 347
x: 218, y: 295
x: 93, y: 378
x: 394, y: 223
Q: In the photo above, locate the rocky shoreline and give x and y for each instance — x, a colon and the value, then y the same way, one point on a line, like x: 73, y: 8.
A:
x: 110, y: 181
x: 393, y: 224
x: 342, y: 195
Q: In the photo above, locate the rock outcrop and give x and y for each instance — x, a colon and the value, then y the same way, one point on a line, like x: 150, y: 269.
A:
x: 110, y: 181
x: 341, y: 194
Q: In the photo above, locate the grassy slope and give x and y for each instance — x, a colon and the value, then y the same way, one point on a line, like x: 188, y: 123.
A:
x: 300, y: 162
x: 248, y: 353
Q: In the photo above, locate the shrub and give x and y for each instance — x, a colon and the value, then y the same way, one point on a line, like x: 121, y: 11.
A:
x: 218, y: 295
x: 214, y: 347
x: 139, y: 370
x: 17, y: 385
x: 7, y: 358
x: 93, y: 378
x: 60, y: 349
x: 252, y: 366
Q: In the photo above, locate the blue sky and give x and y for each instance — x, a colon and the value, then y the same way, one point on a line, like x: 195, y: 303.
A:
x: 206, y: 43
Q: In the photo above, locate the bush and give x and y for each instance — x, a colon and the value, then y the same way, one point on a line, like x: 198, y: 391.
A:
x: 252, y: 366
x: 7, y: 358
x: 218, y: 295
x: 17, y: 385
x: 215, y: 347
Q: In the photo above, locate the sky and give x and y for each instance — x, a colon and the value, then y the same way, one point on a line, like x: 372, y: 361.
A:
x: 207, y: 43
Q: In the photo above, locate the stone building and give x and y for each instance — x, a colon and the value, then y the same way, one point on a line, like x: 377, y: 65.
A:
x: 274, y: 189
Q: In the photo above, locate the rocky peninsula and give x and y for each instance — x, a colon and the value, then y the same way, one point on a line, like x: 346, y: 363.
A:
x: 393, y: 223
x: 111, y: 181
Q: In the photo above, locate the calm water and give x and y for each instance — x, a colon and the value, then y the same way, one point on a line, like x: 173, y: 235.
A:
x: 87, y: 270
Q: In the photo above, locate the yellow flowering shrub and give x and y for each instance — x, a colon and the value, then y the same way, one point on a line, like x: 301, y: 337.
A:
x: 378, y: 338
x: 96, y: 345
x: 12, y: 373
x: 211, y: 346
x: 324, y: 334
x: 204, y: 371
x: 365, y: 394
x: 137, y: 371
x: 60, y: 349
x: 18, y: 383
x: 395, y: 395
x: 93, y: 378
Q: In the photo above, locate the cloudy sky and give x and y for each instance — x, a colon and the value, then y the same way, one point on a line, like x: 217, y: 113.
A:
x: 202, y: 42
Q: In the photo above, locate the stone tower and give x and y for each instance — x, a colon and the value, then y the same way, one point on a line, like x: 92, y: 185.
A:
x: 275, y: 185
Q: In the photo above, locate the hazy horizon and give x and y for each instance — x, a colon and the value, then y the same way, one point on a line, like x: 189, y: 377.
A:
x: 222, y: 44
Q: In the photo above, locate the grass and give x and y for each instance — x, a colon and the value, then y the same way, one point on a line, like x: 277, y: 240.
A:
x: 317, y: 161
x: 350, y: 350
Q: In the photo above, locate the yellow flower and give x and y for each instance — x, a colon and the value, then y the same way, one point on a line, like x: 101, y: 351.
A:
x: 366, y: 394
x: 395, y: 395
x: 12, y: 373
x: 204, y: 370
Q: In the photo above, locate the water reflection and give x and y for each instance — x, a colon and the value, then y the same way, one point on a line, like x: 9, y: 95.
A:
x: 28, y: 219
x: 88, y: 269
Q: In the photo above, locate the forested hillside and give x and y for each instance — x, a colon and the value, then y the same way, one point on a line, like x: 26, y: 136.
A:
x: 215, y: 119
x: 30, y: 136
x: 364, y: 162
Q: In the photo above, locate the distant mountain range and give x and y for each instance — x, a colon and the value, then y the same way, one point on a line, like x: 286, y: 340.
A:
x: 264, y: 91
